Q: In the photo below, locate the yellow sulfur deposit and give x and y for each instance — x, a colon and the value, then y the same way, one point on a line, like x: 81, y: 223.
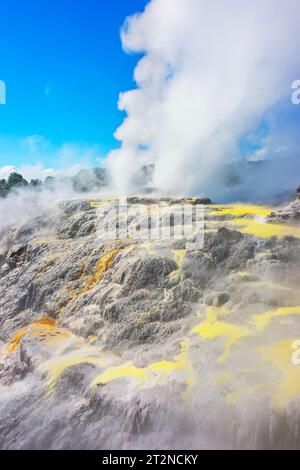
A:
x: 154, y: 373
x: 212, y: 328
x: 287, y: 385
x: 241, y: 210
x: 157, y: 372
x: 262, y: 229
x: 128, y: 370
x: 261, y: 321
x: 149, y: 247
x: 257, y: 283
x: 83, y: 355
x: 251, y: 219
x: 179, y: 256
x: 42, y: 326
x: 16, y: 339
x: 104, y: 265
x: 96, y: 203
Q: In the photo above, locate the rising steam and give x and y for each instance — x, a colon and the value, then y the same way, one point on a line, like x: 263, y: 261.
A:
x: 210, y: 71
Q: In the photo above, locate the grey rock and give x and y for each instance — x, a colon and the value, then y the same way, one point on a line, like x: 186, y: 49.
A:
x: 16, y: 256
x: 73, y: 207
x: 220, y: 299
x: 129, y: 305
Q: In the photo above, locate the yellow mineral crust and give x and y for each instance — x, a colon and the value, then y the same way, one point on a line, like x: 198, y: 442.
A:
x: 179, y: 256
x: 286, y: 385
x: 104, y: 265
x: 83, y: 354
x: 261, y: 321
x: 212, y: 328
x: 241, y: 210
x: 157, y: 372
x: 262, y: 229
x: 282, y: 386
x: 91, y: 280
x: 250, y: 219
x: 42, y: 327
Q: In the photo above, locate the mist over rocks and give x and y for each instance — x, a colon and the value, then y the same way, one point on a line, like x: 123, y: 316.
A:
x: 86, y: 181
x: 153, y: 302
x: 290, y: 212
x: 264, y: 181
x: 122, y: 343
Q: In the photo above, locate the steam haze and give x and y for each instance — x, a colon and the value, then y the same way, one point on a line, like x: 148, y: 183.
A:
x: 209, y: 72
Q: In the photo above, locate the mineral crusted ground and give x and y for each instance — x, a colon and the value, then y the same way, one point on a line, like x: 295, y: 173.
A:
x: 126, y: 344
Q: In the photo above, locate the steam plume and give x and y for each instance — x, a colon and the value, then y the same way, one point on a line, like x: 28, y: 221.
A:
x: 210, y: 71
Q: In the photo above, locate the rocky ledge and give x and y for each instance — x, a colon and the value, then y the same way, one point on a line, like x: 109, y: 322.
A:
x: 291, y: 212
x: 120, y: 343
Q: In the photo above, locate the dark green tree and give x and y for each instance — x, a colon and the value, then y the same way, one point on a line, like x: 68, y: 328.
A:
x: 3, y: 188
x: 36, y: 183
x: 49, y: 182
x: 15, y: 180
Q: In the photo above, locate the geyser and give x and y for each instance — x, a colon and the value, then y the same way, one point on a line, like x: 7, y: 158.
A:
x: 209, y: 73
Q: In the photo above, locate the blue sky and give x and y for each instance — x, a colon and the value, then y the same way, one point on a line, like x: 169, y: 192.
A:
x: 64, y: 67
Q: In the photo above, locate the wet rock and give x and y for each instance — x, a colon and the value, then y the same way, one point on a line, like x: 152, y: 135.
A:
x: 73, y: 207
x: 22, y: 360
x: 147, y: 273
x: 142, y: 200
x: 194, y: 201
x: 230, y: 249
x: 74, y: 381
x: 16, y: 256
x: 291, y: 212
x: 3, y: 253
x: 169, y: 200
x: 79, y: 225
x: 220, y: 299
x: 5, y: 269
x: 133, y: 332
x: 137, y: 418
x: 198, y: 267
x: 135, y: 304
x: 186, y: 291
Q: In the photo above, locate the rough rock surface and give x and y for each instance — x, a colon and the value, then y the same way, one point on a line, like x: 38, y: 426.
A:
x: 291, y: 212
x: 119, y: 343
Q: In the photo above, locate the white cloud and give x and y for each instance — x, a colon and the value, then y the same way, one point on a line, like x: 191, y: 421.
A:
x: 39, y: 157
x: 7, y: 170
x: 35, y: 143
x: 210, y: 70
x: 258, y: 155
x: 39, y: 171
x: 36, y: 171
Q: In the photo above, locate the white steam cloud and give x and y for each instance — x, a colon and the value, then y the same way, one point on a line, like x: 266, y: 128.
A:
x: 210, y: 71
